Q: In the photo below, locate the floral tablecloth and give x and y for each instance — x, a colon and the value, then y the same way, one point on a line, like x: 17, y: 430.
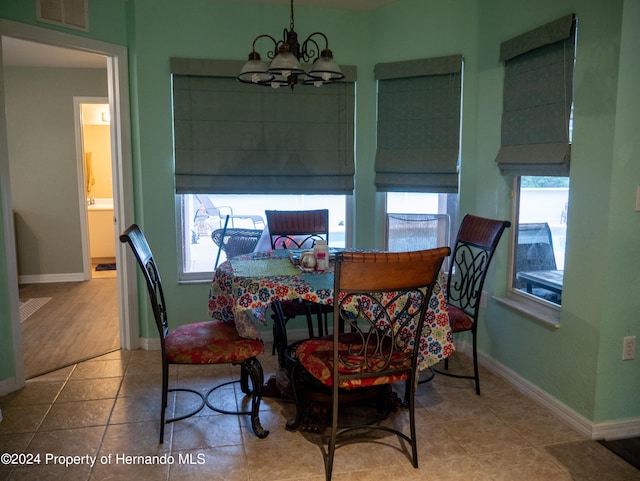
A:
x: 244, y: 287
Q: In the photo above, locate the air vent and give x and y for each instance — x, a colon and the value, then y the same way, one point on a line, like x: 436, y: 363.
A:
x: 67, y: 13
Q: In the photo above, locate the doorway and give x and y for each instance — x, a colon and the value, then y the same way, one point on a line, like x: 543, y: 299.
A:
x: 115, y: 61
x: 95, y: 166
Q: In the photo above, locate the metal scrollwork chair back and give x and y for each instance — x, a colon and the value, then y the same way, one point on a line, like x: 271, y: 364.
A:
x: 297, y: 228
x: 383, y: 298
x: 473, y: 251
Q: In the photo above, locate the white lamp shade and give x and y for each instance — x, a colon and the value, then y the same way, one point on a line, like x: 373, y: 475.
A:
x: 255, y: 71
x: 326, y: 69
x: 285, y: 64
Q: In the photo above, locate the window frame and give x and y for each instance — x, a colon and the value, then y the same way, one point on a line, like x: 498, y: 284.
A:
x: 530, y: 305
x: 201, y: 277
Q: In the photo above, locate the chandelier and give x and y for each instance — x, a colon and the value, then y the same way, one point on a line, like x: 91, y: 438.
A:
x: 285, y: 68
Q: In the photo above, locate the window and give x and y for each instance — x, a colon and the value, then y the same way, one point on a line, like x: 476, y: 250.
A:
x: 241, y: 149
x: 540, y: 236
x: 201, y: 214
x: 420, y: 220
x: 417, y: 151
x: 536, y: 150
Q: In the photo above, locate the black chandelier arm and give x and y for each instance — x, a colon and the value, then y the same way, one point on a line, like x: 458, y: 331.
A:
x: 272, y: 53
x: 311, y: 53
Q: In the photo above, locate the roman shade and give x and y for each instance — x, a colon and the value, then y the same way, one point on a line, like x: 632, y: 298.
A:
x: 245, y: 139
x: 418, y: 125
x: 538, y: 95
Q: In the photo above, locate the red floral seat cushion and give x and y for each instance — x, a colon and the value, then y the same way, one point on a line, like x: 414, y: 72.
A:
x: 209, y: 342
x: 458, y: 319
x: 316, y: 355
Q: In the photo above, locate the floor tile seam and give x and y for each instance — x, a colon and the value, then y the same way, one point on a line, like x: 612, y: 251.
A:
x: 106, y: 424
x: 56, y: 397
x: 552, y: 458
x: 469, y: 457
x: 528, y: 443
x: 100, y: 398
x: 26, y: 448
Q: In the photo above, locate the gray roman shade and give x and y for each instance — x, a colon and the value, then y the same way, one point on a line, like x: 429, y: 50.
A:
x: 246, y: 139
x: 538, y: 93
x: 418, y: 125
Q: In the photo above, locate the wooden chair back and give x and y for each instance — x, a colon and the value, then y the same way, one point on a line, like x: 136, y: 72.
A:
x: 297, y: 228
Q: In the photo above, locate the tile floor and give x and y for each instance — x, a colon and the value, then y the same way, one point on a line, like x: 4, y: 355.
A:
x: 108, y: 408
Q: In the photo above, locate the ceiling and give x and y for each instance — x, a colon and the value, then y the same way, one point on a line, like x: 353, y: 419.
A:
x: 22, y: 53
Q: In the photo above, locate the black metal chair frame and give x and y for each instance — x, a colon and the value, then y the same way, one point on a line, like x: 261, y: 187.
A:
x: 475, y: 246
x: 298, y: 227
x: 380, y: 341
x: 251, y: 369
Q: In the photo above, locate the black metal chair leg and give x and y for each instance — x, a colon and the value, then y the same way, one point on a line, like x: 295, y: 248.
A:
x: 250, y: 369
x: 297, y: 398
x: 165, y: 394
x: 254, y: 369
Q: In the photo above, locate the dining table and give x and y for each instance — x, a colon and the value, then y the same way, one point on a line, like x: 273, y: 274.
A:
x: 244, y: 287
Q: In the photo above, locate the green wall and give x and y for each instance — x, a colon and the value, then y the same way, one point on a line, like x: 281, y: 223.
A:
x: 578, y: 363
x: 43, y: 164
x: 7, y: 365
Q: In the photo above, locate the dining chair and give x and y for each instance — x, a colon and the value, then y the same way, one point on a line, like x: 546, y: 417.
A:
x: 208, y: 342
x: 473, y: 251
x: 382, y: 298
x: 298, y: 229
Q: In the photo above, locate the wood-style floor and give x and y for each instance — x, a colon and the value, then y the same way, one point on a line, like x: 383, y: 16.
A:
x: 78, y: 323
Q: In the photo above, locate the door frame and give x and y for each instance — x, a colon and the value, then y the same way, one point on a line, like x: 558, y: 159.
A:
x: 119, y: 105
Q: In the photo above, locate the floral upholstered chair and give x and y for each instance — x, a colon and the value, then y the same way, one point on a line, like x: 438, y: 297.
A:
x: 208, y: 342
x: 380, y: 302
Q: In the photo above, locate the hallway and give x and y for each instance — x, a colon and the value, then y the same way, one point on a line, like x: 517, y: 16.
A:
x: 78, y: 323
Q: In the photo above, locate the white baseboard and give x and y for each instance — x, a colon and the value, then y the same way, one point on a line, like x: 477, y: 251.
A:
x: 149, y: 344
x: 9, y: 385
x: 46, y: 278
x: 617, y: 429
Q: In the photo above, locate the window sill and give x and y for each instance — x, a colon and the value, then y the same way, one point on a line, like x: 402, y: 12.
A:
x: 195, y: 279
x: 540, y: 311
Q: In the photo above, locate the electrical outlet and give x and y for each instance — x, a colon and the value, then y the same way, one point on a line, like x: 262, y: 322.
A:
x: 628, y: 348
x: 483, y: 299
